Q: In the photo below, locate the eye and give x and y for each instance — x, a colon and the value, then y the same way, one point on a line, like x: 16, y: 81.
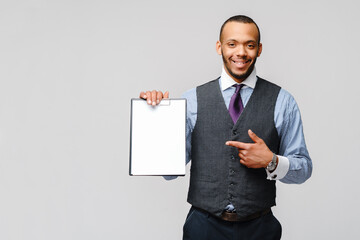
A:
x: 231, y: 44
x: 251, y: 45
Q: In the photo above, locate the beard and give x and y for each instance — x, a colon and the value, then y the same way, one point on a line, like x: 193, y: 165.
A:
x: 240, y: 77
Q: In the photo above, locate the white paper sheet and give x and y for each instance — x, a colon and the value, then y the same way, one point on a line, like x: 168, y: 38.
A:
x: 157, y: 141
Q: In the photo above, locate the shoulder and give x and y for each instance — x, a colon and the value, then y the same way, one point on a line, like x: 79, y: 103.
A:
x: 189, y: 94
x: 286, y: 107
x: 209, y: 84
x: 265, y: 84
x: 286, y: 99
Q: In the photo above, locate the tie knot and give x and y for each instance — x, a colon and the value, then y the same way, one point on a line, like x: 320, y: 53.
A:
x: 238, y: 87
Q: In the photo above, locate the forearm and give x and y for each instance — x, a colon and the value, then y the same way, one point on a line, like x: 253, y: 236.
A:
x: 300, y: 169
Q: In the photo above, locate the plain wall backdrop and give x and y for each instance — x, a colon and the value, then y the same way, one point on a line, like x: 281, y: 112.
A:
x: 68, y: 70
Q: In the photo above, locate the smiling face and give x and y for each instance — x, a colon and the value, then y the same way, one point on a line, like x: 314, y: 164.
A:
x: 239, y: 48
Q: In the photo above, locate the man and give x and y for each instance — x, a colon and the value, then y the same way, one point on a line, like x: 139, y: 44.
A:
x: 243, y: 134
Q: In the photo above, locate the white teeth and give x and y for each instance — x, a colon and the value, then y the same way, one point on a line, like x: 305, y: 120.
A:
x: 239, y: 63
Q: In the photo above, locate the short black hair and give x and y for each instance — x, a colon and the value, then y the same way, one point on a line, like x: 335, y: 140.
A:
x: 241, y: 19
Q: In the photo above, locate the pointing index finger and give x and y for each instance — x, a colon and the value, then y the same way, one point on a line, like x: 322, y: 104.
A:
x: 237, y: 144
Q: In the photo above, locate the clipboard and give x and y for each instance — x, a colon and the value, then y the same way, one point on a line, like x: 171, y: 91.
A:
x: 157, y: 138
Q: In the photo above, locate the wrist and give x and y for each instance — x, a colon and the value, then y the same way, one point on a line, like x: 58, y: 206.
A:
x: 268, y: 158
x: 273, y: 163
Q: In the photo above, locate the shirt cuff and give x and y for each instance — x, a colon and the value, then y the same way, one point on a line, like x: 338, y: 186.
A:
x: 281, y: 169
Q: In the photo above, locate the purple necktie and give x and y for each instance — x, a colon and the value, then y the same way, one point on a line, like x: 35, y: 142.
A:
x: 236, y: 106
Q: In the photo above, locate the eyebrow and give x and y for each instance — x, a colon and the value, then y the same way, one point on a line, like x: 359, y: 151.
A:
x: 234, y: 40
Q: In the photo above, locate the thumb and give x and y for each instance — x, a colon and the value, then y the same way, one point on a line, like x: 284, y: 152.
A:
x: 254, y: 137
x: 166, y: 94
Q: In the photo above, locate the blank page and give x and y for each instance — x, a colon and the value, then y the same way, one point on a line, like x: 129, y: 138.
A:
x: 157, y: 141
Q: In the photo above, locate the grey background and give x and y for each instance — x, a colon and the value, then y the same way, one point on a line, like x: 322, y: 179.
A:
x: 69, y: 68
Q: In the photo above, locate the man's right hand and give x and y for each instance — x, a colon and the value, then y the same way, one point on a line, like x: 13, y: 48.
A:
x: 154, y: 97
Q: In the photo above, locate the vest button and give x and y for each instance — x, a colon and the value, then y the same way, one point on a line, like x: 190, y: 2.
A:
x: 234, y: 132
x: 232, y: 157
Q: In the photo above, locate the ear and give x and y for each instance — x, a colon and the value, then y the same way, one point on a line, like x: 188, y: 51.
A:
x: 218, y: 47
x: 260, y: 49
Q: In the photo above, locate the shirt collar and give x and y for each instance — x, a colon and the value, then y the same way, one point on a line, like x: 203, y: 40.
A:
x: 227, y: 81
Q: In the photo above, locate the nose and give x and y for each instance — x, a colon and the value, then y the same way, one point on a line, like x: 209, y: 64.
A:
x: 241, y: 51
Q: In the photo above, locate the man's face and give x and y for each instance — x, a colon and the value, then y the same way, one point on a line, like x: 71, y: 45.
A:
x: 239, y: 48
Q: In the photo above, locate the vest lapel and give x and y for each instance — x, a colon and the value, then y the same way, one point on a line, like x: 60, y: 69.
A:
x: 222, y: 105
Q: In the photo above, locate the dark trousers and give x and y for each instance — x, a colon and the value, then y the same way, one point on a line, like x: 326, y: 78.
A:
x: 203, y: 226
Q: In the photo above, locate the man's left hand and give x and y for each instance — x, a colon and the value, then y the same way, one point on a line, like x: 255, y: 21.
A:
x: 253, y: 155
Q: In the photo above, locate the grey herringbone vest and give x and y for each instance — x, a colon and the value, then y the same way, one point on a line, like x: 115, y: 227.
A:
x: 217, y: 177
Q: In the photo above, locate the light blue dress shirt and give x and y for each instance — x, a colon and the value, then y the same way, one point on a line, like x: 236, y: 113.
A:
x: 295, y: 165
